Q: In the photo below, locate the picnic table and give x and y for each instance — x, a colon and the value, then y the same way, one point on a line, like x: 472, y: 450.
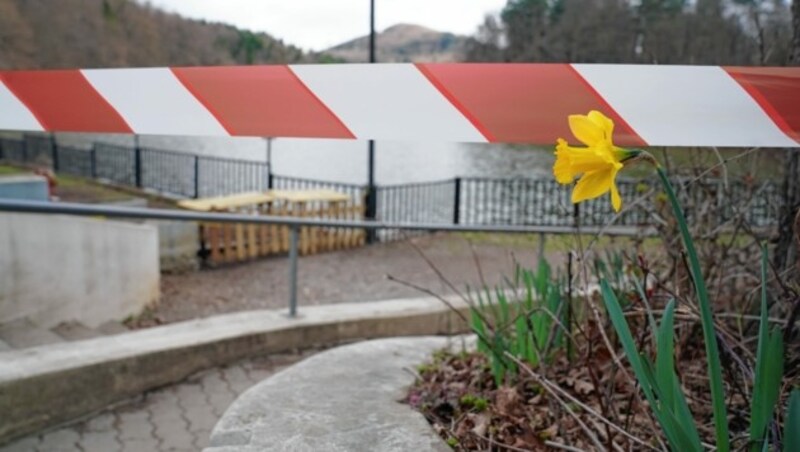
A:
x: 236, y: 242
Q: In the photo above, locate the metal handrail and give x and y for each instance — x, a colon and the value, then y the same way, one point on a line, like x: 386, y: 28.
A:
x: 294, y: 224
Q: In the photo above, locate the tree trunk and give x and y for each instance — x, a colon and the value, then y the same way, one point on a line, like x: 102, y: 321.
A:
x: 795, y: 55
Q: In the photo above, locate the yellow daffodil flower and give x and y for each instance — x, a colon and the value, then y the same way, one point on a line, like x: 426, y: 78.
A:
x: 597, y: 164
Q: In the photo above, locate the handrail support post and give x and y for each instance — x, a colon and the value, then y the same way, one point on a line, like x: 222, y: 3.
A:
x: 293, y: 239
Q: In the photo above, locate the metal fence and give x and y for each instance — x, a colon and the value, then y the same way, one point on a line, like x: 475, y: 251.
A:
x: 466, y: 201
x: 427, y: 202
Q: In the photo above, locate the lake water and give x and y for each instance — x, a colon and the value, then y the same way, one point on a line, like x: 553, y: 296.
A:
x: 346, y: 160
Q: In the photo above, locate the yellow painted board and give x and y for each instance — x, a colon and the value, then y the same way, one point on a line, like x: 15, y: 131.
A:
x: 240, y: 251
x: 226, y: 202
x: 211, y: 231
x: 252, y: 243
x: 227, y: 242
x: 263, y: 233
x: 337, y: 232
x: 309, y: 195
x: 298, y: 210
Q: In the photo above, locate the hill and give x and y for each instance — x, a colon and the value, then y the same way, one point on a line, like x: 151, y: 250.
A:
x: 37, y: 34
x: 403, y: 43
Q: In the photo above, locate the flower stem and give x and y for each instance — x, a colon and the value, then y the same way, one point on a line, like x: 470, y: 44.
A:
x: 709, y: 335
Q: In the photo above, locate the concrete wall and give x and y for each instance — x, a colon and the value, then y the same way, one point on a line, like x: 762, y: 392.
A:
x: 61, y: 268
x: 179, y: 242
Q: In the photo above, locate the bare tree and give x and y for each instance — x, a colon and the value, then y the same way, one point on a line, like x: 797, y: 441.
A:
x: 796, y: 34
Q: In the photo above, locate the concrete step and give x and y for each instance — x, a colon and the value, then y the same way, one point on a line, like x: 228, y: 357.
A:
x: 46, y: 386
x: 75, y: 331
x: 111, y: 328
x: 23, y: 333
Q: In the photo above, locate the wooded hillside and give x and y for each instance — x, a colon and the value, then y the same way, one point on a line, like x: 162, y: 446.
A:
x: 733, y: 32
x: 37, y: 34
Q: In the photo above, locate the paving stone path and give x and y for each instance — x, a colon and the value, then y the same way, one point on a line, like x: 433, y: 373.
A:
x: 176, y: 418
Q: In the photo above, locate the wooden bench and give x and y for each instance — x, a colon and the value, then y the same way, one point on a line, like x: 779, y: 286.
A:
x: 237, y: 242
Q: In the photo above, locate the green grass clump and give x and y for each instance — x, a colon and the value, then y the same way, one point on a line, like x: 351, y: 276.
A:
x: 476, y: 403
x: 6, y: 170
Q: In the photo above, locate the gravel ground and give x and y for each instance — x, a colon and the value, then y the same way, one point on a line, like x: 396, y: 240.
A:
x: 344, y: 276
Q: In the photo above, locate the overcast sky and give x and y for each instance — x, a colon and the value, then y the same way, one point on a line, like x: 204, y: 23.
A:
x: 319, y: 24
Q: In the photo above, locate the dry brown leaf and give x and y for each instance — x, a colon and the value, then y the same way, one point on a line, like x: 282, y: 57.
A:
x: 480, y: 422
x: 583, y: 387
x: 506, y: 398
x: 549, y: 432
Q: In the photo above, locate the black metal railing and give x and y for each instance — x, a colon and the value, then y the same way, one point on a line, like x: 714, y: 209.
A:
x: 168, y: 172
x: 75, y: 161
x: 465, y: 201
x: 220, y: 176
x: 431, y: 202
x: 537, y: 201
x: 13, y: 150
x: 356, y: 192
x: 116, y: 164
x: 41, y: 149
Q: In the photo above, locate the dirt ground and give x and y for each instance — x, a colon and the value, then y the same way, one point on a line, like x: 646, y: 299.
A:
x: 345, y: 276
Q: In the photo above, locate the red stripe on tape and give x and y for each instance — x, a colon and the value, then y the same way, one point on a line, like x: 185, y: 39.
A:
x: 456, y: 103
x: 623, y: 132
x: 522, y: 103
x: 777, y: 92
x: 267, y: 101
x: 65, y: 100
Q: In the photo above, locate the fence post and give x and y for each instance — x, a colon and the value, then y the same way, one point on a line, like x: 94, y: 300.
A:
x: 371, y: 210
x: 93, y: 161
x: 137, y: 165
x: 457, y: 201
x: 576, y: 215
x: 293, y: 239
x: 196, y: 177
x: 54, y: 152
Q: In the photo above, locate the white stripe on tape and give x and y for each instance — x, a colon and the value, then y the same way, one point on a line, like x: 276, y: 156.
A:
x: 388, y: 102
x: 684, y: 105
x: 153, y: 101
x: 14, y: 115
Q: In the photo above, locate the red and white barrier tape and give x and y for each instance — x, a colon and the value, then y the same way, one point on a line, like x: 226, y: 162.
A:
x: 513, y: 103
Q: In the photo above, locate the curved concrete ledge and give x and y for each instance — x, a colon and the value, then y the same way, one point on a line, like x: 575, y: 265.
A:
x: 47, y: 386
x: 345, y: 399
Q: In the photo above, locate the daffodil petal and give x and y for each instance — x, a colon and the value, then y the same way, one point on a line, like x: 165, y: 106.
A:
x: 593, y: 184
x: 616, y: 199
x: 562, y: 169
x: 587, y: 131
x: 602, y: 121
